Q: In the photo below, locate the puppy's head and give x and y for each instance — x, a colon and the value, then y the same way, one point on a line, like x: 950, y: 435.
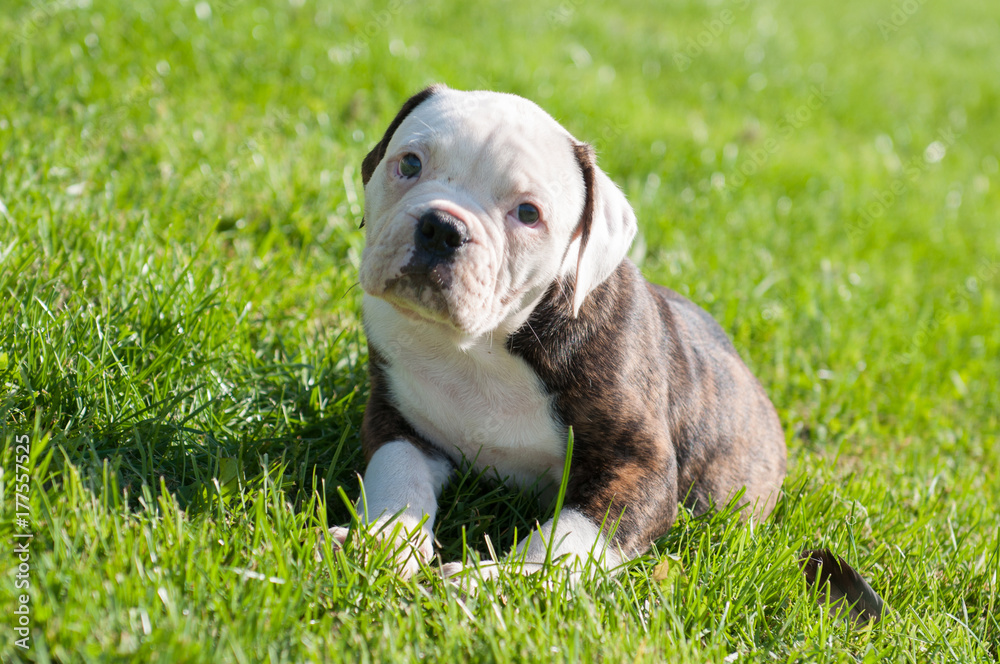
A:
x: 476, y: 202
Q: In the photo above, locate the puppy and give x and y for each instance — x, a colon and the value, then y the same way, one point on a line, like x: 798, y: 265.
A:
x: 500, y: 309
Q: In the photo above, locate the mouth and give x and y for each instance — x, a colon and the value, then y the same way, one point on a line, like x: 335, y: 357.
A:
x: 411, y: 310
x: 418, y: 296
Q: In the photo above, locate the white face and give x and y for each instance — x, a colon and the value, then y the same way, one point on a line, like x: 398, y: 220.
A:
x: 471, y: 212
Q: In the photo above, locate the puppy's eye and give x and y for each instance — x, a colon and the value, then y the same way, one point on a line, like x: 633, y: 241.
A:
x: 409, y: 165
x: 527, y: 213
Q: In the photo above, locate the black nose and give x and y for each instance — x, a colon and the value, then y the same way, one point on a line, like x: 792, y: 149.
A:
x: 440, y: 233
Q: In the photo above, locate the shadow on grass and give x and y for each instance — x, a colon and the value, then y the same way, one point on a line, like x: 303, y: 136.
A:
x: 202, y: 447
x: 287, y: 440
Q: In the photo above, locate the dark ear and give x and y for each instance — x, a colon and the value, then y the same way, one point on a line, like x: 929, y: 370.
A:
x: 585, y: 157
x: 606, y: 227
x: 375, y: 156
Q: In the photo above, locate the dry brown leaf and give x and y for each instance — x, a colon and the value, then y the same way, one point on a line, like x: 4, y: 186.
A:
x: 850, y: 594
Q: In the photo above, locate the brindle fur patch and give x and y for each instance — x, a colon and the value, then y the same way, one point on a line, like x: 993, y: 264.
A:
x: 661, y: 406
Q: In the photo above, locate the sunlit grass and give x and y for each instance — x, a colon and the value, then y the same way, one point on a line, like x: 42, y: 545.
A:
x: 180, y: 329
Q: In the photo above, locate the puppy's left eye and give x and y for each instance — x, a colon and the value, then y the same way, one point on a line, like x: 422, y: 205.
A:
x: 527, y: 213
x: 409, y: 165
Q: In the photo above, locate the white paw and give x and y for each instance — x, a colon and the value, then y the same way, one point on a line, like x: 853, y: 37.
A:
x: 468, y: 579
x: 339, y: 536
x: 407, y: 550
x: 449, y: 570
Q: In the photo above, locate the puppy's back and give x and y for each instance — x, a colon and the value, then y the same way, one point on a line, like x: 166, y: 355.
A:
x: 726, y: 431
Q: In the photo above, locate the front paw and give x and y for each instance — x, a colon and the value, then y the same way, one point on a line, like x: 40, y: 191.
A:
x: 468, y: 579
x: 471, y: 578
x: 397, y: 546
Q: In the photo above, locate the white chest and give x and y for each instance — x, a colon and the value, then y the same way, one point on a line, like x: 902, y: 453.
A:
x: 479, y: 402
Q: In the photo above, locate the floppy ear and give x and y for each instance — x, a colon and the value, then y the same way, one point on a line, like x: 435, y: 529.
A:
x: 606, y: 227
x: 374, y: 157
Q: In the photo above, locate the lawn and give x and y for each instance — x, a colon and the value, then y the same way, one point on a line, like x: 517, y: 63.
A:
x: 181, y: 348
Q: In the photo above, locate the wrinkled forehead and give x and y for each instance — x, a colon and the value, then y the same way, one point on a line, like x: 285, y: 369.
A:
x: 495, y: 136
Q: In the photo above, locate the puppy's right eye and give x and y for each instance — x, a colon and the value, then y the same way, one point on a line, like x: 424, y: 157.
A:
x: 527, y: 214
x: 409, y: 165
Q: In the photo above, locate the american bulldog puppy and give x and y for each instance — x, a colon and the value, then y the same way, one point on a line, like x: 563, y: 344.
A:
x: 501, y: 309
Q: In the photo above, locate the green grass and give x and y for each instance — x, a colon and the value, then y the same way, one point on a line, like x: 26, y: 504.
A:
x: 180, y: 335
